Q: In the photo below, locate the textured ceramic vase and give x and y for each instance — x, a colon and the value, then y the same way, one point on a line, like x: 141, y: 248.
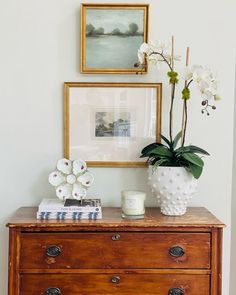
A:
x: 174, y: 187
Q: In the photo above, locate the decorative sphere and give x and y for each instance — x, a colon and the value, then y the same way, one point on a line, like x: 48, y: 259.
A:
x: 71, y: 179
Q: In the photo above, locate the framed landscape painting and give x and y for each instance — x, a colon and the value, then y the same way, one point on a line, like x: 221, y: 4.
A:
x: 111, y: 35
x: 108, y: 124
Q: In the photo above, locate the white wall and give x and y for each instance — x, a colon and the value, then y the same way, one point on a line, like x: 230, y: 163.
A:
x: 233, y: 209
x: 39, y: 50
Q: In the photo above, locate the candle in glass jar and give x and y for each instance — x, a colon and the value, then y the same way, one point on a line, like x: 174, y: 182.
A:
x: 132, y: 203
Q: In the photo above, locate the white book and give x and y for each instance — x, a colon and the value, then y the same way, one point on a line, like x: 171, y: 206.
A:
x: 56, y: 205
x: 69, y: 215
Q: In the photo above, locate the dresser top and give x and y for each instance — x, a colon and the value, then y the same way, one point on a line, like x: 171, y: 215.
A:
x: 199, y: 217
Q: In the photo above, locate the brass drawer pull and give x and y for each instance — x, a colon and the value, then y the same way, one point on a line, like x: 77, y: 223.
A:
x: 53, y: 291
x: 176, y: 251
x: 115, y: 280
x: 53, y: 251
x: 176, y: 291
x: 115, y: 237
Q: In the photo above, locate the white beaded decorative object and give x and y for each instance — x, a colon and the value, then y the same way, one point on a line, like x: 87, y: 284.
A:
x: 174, y: 188
x: 71, y: 179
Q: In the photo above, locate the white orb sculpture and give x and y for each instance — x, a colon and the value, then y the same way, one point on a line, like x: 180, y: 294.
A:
x: 71, y: 179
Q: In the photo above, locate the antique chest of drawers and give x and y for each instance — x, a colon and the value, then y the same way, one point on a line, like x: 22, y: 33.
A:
x: 158, y: 255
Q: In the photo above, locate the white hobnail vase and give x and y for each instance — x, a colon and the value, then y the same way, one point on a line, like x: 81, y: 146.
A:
x: 174, y: 188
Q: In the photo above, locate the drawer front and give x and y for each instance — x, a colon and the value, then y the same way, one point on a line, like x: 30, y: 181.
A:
x: 125, y: 284
x: 114, y: 250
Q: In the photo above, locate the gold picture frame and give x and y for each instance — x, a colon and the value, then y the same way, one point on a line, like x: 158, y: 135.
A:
x: 139, y: 111
x: 99, y: 57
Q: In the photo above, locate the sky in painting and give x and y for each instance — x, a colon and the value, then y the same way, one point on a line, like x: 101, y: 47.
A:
x: 111, y: 19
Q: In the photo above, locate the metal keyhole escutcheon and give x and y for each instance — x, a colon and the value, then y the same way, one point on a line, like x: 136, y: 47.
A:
x: 176, y: 291
x: 53, y: 291
x: 53, y: 251
x: 176, y: 251
x: 115, y: 237
x: 115, y: 280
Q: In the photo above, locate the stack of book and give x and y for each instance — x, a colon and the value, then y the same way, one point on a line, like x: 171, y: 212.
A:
x: 70, y: 209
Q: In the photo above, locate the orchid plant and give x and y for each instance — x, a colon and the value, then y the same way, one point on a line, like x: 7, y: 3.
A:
x: 167, y: 153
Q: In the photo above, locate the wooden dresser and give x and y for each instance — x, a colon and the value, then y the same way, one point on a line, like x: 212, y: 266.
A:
x: 158, y: 255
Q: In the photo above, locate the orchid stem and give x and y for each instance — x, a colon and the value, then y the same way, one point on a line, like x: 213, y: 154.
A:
x: 171, y: 111
x: 185, y: 107
x: 172, y: 51
x: 164, y: 59
x: 172, y: 92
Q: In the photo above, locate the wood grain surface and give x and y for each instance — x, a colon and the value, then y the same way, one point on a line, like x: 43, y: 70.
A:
x: 25, y: 217
x: 131, y: 250
x: 101, y: 284
x: 138, y: 262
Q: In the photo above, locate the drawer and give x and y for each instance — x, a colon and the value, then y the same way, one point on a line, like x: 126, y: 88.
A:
x: 114, y: 250
x: 104, y: 284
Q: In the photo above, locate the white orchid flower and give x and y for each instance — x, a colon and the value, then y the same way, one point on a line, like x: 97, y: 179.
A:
x: 217, y: 97
x: 203, y: 78
x: 207, y: 95
x: 214, y: 87
x: 153, y: 58
x: 198, y: 73
x: 187, y: 73
x: 201, y: 73
x: 203, y: 85
x: 162, y: 45
x: 144, y: 48
x: 153, y: 53
x: 206, y: 82
x: 168, y: 57
x: 159, y: 46
x: 141, y: 57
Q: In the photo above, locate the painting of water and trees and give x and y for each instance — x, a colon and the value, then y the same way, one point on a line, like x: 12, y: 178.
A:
x: 113, y: 36
x: 112, y: 124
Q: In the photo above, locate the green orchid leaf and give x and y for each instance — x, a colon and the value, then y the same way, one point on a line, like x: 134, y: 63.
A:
x: 161, y: 151
x: 150, y: 147
x: 181, y: 162
x: 182, y: 149
x: 194, y: 159
x: 195, y: 170
x: 191, y: 149
x: 159, y: 162
x: 152, y: 159
x: 176, y: 139
x: 167, y: 141
x: 196, y: 149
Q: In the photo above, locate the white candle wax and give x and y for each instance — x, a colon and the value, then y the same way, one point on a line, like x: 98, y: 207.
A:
x: 133, y: 202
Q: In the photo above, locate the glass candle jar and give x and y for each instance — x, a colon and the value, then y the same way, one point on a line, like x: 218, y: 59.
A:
x: 132, y: 203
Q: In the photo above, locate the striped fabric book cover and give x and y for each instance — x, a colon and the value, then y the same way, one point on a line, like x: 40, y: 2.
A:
x: 69, y: 215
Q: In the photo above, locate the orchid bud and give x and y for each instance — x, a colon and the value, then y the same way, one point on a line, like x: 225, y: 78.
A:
x: 186, y: 93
